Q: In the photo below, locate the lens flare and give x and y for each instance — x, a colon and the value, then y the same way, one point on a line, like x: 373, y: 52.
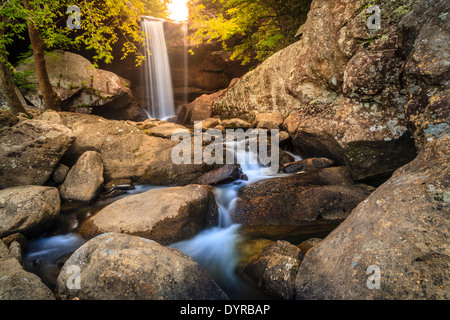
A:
x: 178, y: 10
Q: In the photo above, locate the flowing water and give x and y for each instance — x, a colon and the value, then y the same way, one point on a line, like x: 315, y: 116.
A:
x: 215, y: 249
x: 158, y: 80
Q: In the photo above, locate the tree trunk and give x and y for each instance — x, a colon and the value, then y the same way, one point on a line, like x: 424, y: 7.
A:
x: 51, y: 99
x: 9, y: 89
x: 7, y: 83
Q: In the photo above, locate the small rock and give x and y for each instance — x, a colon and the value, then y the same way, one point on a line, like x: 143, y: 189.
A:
x: 307, y: 164
x: 269, y: 121
x: 60, y: 173
x: 226, y: 174
x: 166, y: 130
x: 236, y: 124
x: 15, y: 251
x: 117, y: 182
x: 18, y: 237
x: 276, y: 268
x: 306, y: 245
x: 85, y: 178
x: 210, y: 123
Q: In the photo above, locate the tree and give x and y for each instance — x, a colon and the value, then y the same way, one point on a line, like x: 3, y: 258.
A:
x: 51, y: 99
x: 102, y: 21
x: 8, y: 86
x: 255, y: 28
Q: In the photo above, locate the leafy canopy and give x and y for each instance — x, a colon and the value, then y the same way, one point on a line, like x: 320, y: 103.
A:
x: 102, y: 22
x: 251, y: 29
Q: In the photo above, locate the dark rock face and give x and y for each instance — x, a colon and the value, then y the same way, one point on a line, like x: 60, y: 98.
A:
x: 226, y: 174
x: 275, y: 269
x: 361, y: 97
x: 307, y: 164
x: 80, y: 86
x: 124, y: 267
x: 317, y: 197
x: 401, y: 228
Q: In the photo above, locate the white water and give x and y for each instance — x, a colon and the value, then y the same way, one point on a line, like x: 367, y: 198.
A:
x: 215, y: 249
x: 158, y: 81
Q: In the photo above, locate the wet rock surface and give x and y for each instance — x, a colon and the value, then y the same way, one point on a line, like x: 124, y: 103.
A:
x: 164, y: 215
x: 124, y: 267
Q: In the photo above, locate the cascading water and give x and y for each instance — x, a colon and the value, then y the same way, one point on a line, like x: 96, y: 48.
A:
x: 158, y: 81
x: 215, y: 249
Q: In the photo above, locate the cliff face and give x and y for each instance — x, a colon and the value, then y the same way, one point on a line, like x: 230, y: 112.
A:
x: 360, y: 96
x: 368, y: 99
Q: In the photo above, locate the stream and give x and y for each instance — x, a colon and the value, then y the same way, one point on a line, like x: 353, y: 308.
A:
x: 216, y: 249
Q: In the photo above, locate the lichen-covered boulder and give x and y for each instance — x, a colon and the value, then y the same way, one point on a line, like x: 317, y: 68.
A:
x: 115, y: 266
x: 30, y: 150
x: 165, y: 215
x: 401, y: 230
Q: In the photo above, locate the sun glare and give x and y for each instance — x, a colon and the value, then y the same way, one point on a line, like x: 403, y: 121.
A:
x: 178, y: 10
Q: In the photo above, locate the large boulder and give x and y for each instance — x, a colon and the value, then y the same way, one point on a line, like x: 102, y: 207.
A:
x: 116, y: 266
x: 78, y: 83
x: 275, y: 269
x: 371, y: 140
x: 85, y: 178
x: 30, y: 150
x: 425, y: 30
x: 127, y: 151
x: 165, y: 215
x: 359, y: 95
x: 199, y: 109
x: 312, y: 198
x: 27, y: 208
x: 401, y: 230
x: 166, y: 130
x: 18, y: 284
x: 261, y: 90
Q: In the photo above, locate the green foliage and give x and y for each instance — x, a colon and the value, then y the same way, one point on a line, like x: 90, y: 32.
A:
x: 21, y: 80
x: 102, y: 21
x: 251, y: 29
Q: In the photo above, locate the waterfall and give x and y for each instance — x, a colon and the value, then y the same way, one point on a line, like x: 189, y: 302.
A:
x: 215, y: 248
x: 158, y: 81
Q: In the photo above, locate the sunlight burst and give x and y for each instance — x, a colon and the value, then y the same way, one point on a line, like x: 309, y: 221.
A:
x: 178, y: 10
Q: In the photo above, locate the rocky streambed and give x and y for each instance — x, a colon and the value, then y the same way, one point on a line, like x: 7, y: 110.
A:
x: 363, y: 216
